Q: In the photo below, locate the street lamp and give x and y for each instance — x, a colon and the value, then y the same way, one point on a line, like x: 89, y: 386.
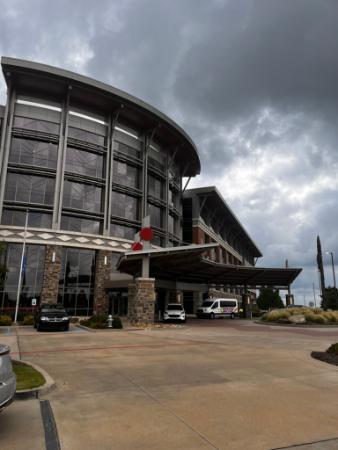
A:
x: 333, y: 271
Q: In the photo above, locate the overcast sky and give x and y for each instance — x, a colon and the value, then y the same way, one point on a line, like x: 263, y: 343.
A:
x: 254, y: 83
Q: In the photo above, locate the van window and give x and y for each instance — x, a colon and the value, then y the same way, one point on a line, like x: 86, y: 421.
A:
x: 207, y: 303
x: 215, y: 305
x: 228, y: 304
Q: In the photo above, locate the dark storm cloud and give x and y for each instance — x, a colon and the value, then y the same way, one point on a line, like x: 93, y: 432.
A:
x: 254, y: 82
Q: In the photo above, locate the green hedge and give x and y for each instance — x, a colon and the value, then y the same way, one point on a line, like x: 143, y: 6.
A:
x: 100, y: 321
x: 6, y: 321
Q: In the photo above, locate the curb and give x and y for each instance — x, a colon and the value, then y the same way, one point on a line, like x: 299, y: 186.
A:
x: 41, y: 390
x: 92, y: 330
x: 295, y: 325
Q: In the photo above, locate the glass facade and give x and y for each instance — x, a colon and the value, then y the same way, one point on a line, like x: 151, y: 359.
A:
x: 82, y: 196
x: 58, y: 152
x: 17, y: 218
x: 32, y: 277
x: 125, y: 206
x: 156, y: 215
x: 123, y: 231
x: 38, y: 125
x: 126, y: 174
x: 33, y: 153
x: 156, y: 187
x: 29, y: 189
x: 84, y: 163
x: 79, y: 224
x: 76, y: 283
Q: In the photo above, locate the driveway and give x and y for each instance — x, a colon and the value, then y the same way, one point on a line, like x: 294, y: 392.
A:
x: 207, y: 385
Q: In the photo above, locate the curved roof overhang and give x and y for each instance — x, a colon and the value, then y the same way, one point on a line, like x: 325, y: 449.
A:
x: 187, y: 264
x: 54, y: 83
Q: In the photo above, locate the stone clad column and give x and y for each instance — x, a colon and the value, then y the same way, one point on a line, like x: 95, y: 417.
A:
x: 141, y: 300
x: 51, y: 274
x: 102, y: 272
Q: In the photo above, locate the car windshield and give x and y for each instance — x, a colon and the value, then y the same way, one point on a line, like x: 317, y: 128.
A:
x: 55, y: 307
x: 207, y: 304
x: 171, y: 307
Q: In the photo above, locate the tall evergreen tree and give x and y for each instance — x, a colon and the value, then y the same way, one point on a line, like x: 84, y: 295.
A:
x: 320, y: 266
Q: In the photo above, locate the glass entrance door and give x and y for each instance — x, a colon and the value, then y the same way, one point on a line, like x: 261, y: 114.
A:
x: 118, y: 302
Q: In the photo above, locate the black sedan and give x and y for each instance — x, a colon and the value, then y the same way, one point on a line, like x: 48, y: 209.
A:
x: 51, y: 317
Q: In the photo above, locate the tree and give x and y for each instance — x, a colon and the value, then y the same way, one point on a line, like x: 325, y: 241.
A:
x: 3, y: 268
x: 269, y: 298
x: 330, y: 298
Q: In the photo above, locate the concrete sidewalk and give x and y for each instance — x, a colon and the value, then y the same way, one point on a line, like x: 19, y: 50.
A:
x: 202, y: 386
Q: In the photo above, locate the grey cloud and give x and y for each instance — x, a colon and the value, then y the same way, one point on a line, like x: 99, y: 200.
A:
x: 254, y: 82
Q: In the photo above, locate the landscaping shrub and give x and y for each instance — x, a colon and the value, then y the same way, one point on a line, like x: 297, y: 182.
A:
x: 98, y: 322
x: 117, y: 323
x: 6, y: 321
x: 333, y: 349
x: 277, y: 314
x: 310, y: 317
x: 28, y: 320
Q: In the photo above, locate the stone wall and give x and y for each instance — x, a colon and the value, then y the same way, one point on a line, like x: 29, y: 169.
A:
x: 102, y: 272
x: 141, y: 300
x: 51, y: 274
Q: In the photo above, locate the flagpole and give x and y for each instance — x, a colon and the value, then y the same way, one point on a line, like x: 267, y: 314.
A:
x: 21, y: 269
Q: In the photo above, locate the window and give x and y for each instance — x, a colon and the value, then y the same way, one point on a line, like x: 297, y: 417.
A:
x: 155, y: 215
x: 155, y: 187
x: 125, y: 206
x: 125, y: 174
x: 34, y: 153
x: 81, y: 225
x: 36, y: 125
x: 82, y: 196
x: 32, y: 275
x: 76, y: 283
x: 122, y: 231
x: 84, y: 163
x: 29, y: 189
x: 18, y: 218
x: 126, y: 149
x: 86, y: 136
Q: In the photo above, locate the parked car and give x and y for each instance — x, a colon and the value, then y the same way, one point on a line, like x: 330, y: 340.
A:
x: 174, y: 311
x: 51, y: 317
x: 220, y: 307
x: 7, y: 378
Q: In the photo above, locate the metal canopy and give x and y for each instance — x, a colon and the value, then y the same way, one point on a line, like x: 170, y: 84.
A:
x: 187, y: 264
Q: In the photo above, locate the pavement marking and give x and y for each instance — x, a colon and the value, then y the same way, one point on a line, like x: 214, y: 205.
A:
x: 310, y: 444
x: 112, y: 347
x: 49, y: 426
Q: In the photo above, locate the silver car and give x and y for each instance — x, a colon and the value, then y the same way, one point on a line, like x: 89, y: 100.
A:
x: 7, y: 378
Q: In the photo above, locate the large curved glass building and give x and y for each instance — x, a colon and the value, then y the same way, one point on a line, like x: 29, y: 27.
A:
x: 81, y: 164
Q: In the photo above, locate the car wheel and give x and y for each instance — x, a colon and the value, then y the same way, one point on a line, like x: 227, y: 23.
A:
x: 212, y: 316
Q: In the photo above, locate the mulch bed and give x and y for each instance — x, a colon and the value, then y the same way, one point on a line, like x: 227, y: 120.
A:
x: 330, y: 358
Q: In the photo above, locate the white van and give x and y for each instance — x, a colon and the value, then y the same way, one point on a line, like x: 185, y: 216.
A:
x: 218, y: 307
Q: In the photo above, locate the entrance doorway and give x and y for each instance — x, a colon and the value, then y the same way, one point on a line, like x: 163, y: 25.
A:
x: 118, y: 302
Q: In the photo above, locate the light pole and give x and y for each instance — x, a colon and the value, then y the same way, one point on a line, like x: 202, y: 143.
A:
x: 21, y: 270
x: 333, y: 271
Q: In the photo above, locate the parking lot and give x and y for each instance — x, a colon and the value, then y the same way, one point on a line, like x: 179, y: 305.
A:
x: 208, y: 384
